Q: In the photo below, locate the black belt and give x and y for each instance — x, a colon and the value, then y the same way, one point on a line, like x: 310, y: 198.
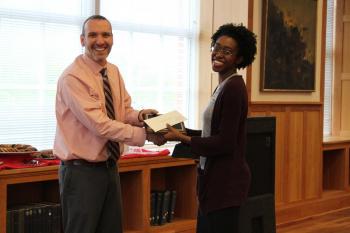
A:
x: 81, y: 162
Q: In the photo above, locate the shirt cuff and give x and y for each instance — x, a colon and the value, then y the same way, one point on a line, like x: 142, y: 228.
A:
x: 132, y: 119
x: 139, y: 137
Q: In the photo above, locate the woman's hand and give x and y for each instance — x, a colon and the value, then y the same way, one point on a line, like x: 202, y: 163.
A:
x: 157, y: 139
x: 175, y: 135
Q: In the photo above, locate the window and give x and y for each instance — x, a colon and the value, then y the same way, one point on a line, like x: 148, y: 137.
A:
x: 154, y: 43
x: 327, y: 119
x: 38, y: 40
x: 154, y: 52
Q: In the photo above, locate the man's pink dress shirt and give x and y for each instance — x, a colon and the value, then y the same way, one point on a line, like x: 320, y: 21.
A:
x: 83, y: 127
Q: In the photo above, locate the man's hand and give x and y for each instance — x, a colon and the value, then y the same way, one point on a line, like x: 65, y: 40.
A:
x: 157, y: 139
x: 143, y: 112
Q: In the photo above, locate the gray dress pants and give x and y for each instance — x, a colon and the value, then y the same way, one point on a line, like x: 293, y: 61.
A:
x: 90, y: 199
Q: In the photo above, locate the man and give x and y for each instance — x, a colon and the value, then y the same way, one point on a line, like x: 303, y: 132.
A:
x: 94, y: 119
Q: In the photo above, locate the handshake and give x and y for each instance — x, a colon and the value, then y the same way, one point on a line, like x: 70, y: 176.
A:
x: 157, y: 138
x: 159, y: 135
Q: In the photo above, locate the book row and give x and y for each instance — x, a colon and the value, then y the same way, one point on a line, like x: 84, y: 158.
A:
x: 162, y: 207
x: 34, y: 218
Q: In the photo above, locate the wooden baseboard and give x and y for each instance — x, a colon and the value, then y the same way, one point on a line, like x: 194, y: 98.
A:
x: 330, y: 201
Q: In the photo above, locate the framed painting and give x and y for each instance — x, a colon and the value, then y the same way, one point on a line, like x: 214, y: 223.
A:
x: 288, y: 45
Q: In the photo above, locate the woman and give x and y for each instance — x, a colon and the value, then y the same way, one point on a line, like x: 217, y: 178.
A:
x: 223, y: 174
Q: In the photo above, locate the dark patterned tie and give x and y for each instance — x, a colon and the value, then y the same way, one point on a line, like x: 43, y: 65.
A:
x: 112, y: 147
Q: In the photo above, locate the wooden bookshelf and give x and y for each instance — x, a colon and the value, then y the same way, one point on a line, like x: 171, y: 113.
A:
x: 138, y: 177
x: 336, y: 165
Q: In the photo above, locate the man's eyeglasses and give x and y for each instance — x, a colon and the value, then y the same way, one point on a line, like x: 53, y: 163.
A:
x: 217, y: 48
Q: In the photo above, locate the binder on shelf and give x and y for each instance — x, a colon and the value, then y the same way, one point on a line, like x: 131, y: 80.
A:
x: 171, y: 207
x: 56, y: 218
x: 18, y: 220
x: 48, y: 217
x: 164, y: 209
x: 9, y: 221
x: 27, y: 223
x: 41, y: 221
x: 159, y: 199
x: 15, y: 217
x: 34, y: 218
x: 153, y: 208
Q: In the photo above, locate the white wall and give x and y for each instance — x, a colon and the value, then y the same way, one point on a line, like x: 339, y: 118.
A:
x: 214, y: 13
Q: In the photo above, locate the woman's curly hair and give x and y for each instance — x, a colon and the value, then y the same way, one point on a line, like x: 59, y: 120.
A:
x: 246, y: 41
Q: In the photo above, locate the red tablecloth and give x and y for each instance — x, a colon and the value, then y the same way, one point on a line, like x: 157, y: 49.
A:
x: 27, y: 161
x: 141, y: 153
x: 24, y: 161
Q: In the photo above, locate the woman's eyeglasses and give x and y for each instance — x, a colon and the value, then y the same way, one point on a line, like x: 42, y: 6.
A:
x: 217, y: 48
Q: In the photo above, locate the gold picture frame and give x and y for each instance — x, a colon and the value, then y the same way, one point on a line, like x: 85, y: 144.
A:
x: 288, y: 46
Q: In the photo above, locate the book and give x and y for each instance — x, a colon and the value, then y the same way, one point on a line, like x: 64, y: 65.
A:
x: 9, y: 221
x: 164, y: 208
x: 27, y: 223
x: 153, y: 208
x: 171, y: 206
x: 19, y: 219
x: 50, y: 217
x: 56, y: 218
x: 34, y: 218
x: 38, y: 218
x: 158, y: 206
x: 156, y: 123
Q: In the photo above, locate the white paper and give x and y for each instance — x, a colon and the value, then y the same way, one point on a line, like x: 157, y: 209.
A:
x: 159, y: 122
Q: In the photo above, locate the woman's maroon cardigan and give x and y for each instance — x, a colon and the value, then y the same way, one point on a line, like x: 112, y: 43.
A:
x: 225, y: 180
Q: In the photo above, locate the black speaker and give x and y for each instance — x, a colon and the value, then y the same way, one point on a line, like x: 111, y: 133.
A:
x: 260, y: 154
x: 257, y: 214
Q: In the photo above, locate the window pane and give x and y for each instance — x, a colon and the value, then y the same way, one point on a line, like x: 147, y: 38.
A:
x: 33, y: 55
x: 45, y: 6
x: 167, y: 13
x: 152, y: 47
x: 156, y: 75
x: 155, y: 69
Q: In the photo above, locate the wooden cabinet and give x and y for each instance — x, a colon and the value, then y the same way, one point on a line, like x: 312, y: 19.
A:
x: 138, y: 177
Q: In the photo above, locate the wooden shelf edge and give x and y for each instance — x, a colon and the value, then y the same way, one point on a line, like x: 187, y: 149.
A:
x: 153, y: 160
x: 132, y: 231
x: 177, y: 225
x: 335, y: 140
x: 258, y: 102
x: 124, y: 164
x: 34, y: 170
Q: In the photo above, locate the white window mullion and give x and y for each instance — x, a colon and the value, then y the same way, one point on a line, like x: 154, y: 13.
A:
x: 327, y: 105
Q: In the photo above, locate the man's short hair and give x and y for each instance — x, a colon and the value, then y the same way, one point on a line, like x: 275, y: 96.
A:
x: 92, y: 17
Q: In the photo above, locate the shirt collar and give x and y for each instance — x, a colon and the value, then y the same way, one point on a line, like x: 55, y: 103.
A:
x: 94, y: 66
